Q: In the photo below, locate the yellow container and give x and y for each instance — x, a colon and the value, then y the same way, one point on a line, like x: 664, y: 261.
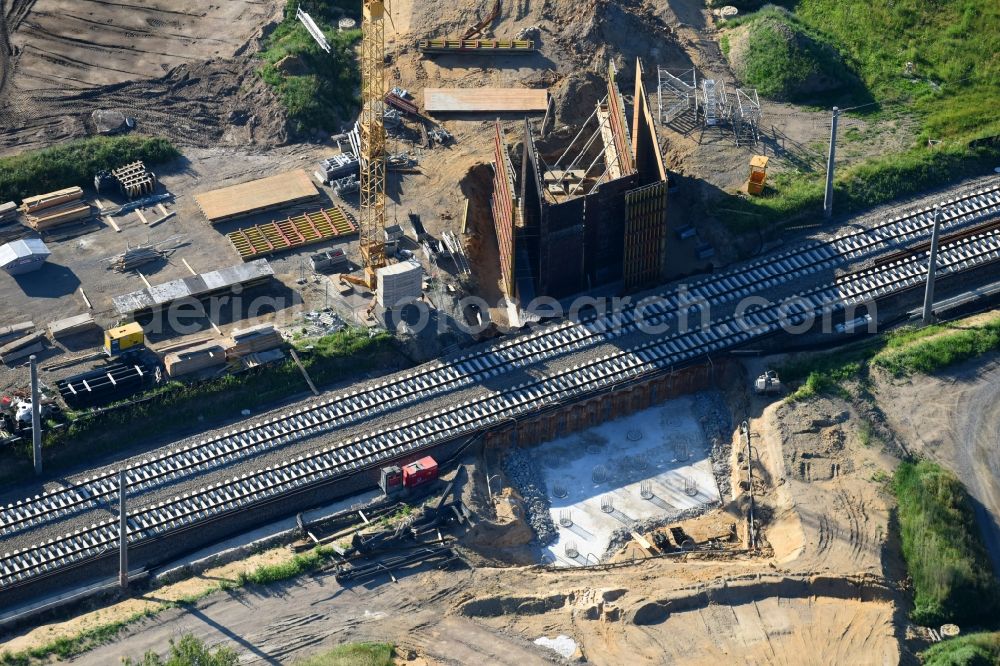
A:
x: 123, y: 338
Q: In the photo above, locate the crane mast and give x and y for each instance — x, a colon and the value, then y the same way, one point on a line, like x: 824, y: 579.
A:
x: 371, y: 132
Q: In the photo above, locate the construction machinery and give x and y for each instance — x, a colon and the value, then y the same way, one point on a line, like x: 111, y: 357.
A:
x: 767, y: 384
x: 758, y: 174
x: 371, y: 131
x: 127, y: 339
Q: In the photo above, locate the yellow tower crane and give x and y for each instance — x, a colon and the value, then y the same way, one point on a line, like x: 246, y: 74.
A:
x: 371, y: 130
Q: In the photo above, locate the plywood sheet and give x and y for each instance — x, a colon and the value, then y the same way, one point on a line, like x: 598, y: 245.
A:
x: 256, y: 196
x: 480, y: 100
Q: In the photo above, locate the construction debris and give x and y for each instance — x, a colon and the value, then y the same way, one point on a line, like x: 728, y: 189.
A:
x: 134, y: 257
x: 454, y: 246
x: 135, y: 205
x: 294, y: 232
x: 72, y: 326
x: 477, y: 29
x: 337, y: 166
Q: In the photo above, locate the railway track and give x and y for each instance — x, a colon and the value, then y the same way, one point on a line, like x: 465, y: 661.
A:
x: 327, y: 465
x: 438, y: 377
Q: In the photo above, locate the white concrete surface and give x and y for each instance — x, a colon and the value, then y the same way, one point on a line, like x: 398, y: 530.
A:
x: 662, y: 449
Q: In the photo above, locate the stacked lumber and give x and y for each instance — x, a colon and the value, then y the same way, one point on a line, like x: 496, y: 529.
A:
x: 194, y: 359
x: 16, y: 330
x: 71, y: 326
x: 46, y: 211
x: 252, y: 340
x: 8, y: 212
x: 22, y: 347
x: 134, y: 257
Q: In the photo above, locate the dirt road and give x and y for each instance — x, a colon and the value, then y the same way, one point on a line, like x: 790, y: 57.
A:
x: 954, y: 418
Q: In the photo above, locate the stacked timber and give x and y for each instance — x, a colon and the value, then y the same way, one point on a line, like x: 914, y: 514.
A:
x: 252, y: 340
x: 72, y: 326
x: 22, y: 347
x: 16, y: 330
x: 134, y: 257
x: 8, y: 212
x: 46, y: 211
x: 194, y: 359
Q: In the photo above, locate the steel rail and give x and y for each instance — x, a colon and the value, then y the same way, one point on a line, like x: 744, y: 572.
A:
x: 489, y: 410
x: 497, y: 359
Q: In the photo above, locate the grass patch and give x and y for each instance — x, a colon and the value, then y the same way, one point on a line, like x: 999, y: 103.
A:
x: 901, y: 351
x: 188, y: 651
x: 67, y: 647
x: 785, y: 59
x: 918, y: 351
x: 952, y: 88
x: 353, y: 654
x: 267, y: 574
x: 317, y: 89
x: 982, y: 649
x: 76, y: 162
x: 794, y: 196
x: 175, y: 408
x: 952, y: 577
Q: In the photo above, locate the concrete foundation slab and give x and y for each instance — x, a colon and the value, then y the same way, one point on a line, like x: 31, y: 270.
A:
x: 652, y: 465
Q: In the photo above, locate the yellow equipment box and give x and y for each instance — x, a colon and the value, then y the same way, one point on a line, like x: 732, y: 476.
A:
x: 122, y: 339
x: 758, y: 174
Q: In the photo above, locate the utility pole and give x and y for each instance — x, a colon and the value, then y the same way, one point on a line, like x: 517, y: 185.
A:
x: 932, y: 267
x: 122, y: 533
x: 828, y: 197
x: 36, y: 416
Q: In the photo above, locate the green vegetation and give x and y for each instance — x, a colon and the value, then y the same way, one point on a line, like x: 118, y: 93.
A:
x: 933, y: 61
x: 188, y: 651
x: 982, y: 649
x: 76, y: 162
x: 902, y: 351
x: 935, y: 347
x: 785, y: 59
x: 174, y: 408
x: 317, y: 89
x: 266, y: 574
x: 67, y: 647
x: 354, y: 654
x: 952, y: 577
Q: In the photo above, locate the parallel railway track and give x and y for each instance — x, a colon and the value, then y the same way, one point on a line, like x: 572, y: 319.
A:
x: 482, y: 365
x: 334, y: 462
x: 438, y: 377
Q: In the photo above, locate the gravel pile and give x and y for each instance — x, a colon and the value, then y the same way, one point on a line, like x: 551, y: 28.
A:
x: 522, y: 471
x: 716, y: 424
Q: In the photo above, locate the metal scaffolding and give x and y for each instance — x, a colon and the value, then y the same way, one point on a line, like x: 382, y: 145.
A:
x: 709, y: 102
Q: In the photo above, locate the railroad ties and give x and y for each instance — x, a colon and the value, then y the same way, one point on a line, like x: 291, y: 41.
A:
x: 658, y: 354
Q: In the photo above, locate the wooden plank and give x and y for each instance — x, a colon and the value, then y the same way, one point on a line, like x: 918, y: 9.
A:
x: 142, y: 218
x: 22, y: 342
x: 19, y: 354
x: 112, y: 222
x: 482, y: 100
x: 72, y: 325
x: 188, y: 266
x: 13, y: 330
x: 256, y: 196
x: 162, y: 219
x: 295, y: 357
x: 86, y: 300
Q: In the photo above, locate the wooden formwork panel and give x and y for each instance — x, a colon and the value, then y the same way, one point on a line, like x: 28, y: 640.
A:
x: 256, y: 196
x: 291, y: 233
x: 485, y: 100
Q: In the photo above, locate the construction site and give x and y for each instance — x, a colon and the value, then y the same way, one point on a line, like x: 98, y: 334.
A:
x: 482, y: 362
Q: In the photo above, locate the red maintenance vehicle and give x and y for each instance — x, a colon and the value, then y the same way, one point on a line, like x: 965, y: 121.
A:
x: 395, y: 479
